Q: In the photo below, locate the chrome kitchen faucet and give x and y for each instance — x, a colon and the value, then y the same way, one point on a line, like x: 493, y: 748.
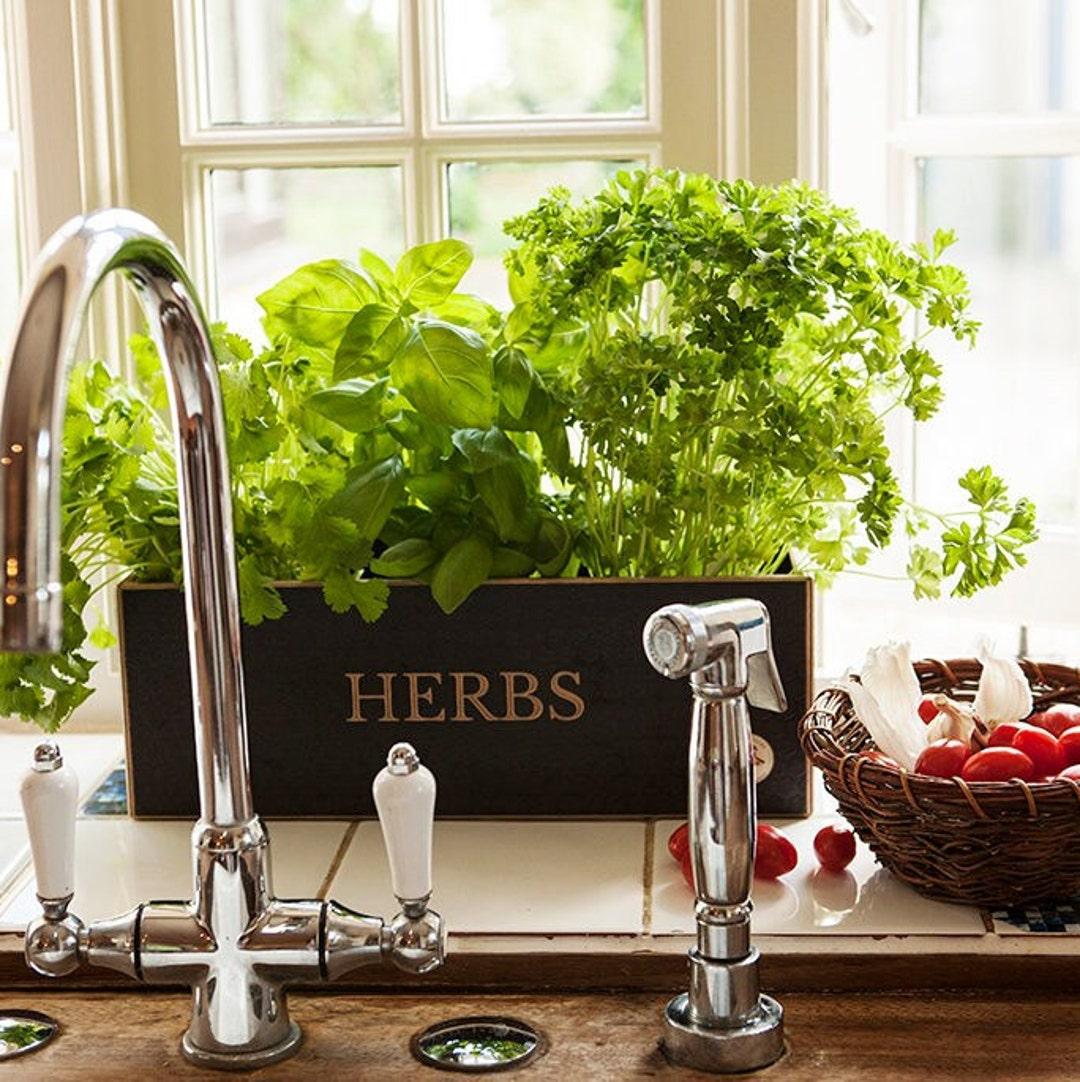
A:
x: 234, y: 943
x: 725, y: 647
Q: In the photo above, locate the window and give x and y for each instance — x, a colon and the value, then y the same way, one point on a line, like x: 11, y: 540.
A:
x: 311, y: 128
x: 963, y: 114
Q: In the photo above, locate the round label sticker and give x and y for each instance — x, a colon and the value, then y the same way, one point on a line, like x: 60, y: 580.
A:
x: 764, y: 758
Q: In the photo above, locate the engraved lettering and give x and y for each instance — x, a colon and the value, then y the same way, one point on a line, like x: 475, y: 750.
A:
x: 528, y: 693
x: 576, y: 702
x: 386, y: 696
x: 425, y: 696
x: 481, y: 686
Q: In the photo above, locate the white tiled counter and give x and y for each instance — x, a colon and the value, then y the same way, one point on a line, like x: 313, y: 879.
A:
x: 522, y: 887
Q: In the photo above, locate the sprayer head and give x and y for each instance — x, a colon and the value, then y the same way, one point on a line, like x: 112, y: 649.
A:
x: 725, y: 645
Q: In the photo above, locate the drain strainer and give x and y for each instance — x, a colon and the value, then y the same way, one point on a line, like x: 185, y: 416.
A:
x: 22, y: 1032
x: 476, y: 1045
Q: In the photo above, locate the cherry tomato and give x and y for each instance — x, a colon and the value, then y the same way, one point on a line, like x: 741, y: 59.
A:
x: 775, y: 855
x: 1057, y: 718
x: 998, y: 764
x: 942, y: 758
x: 1004, y: 735
x: 1042, y: 748
x: 927, y: 710
x: 835, y: 847
x: 678, y: 844
x: 1070, y: 745
x: 879, y: 757
x: 687, y: 866
x: 1072, y: 773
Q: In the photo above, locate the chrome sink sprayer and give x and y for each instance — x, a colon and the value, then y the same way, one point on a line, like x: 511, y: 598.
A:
x: 234, y: 943
x: 724, y: 1023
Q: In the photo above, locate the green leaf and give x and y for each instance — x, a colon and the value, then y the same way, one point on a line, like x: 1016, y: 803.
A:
x: 370, y: 342
x: 464, y: 567
x: 485, y: 448
x: 369, y: 497
x: 369, y: 597
x: 429, y: 273
x: 511, y: 564
x: 434, y: 489
x: 259, y: 600
x: 503, y: 491
x: 381, y: 272
x: 406, y: 558
x: 446, y: 373
x: 514, y: 378
x: 355, y: 404
x: 315, y: 304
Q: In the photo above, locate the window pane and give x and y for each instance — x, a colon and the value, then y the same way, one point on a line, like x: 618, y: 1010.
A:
x: 1014, y: 400
x: 484, y: 194
x: 267, y: 222
x: 999, y: 55
x: 560, y: 58
x: 302, y: 61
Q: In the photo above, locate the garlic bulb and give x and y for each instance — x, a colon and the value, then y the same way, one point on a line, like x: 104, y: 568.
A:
x: 1004, y: 693
x: 887, y: 700
x: 955, y: 721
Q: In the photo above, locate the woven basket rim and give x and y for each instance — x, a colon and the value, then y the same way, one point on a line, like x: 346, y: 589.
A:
x: 826, y: 753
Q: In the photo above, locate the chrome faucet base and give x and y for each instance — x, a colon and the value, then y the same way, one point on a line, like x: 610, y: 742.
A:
x: 236, y: 1060
x: 756, y: 1043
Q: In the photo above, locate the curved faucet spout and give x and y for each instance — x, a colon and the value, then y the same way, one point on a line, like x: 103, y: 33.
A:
x: 75, y: 260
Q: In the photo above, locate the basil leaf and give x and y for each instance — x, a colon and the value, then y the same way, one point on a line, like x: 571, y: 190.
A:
x: 368, y: 498
x: 371, y: 339
x: 429, y: 273
x: 484, y: 448
x: 511, y: 564
x: 315, y: 304
x: 514, y: 378
x: 381, y: 273
x: 355, y: 404
x: 446, y: 373
x: 466, y: 566
x: 405, y: 559
x: 504, y: 494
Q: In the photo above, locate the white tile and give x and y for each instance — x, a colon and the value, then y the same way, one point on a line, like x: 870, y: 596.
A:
x: 510, y: 876
x: 91, y: 754
x: 14, y: 850
x: 120, y: 862
x: 865, y: 899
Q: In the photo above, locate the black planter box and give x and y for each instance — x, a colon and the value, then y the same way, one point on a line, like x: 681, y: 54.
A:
x: 533, y: 699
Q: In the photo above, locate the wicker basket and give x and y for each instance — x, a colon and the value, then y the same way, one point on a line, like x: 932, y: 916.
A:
x: 992, y: 844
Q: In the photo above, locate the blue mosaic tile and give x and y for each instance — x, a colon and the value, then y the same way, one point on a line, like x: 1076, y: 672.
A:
x: 1061, y: 917
x: 110, y: 797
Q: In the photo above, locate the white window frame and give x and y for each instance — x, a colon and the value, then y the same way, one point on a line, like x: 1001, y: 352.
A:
x: 1040, y: 597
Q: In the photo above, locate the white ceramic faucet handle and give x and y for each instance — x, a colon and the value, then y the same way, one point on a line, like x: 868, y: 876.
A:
x: 404, y: 792
x: 50, y: 797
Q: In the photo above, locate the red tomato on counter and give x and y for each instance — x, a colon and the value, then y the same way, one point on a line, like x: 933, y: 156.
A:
x: 1057, y: 718
x: 835, y: 847
x: 998, y: 764
x: 942, y: 758
x: 678, y: 843
x: 1042, y: 748
x: 1070, y: 745
x: 775, y: 855
x: 687, y: 866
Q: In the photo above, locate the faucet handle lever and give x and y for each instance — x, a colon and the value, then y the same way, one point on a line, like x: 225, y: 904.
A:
x: 404, y: 792
x: 50, y: 796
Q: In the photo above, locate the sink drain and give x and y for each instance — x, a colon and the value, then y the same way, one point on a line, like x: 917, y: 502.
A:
x: 22, y: 1032
x: 477, y: 1045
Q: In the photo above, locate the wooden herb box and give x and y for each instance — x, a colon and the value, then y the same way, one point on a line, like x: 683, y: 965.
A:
x: 533, y: 699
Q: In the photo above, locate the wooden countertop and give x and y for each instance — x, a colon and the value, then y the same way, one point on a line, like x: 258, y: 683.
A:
x: 849, y: 1038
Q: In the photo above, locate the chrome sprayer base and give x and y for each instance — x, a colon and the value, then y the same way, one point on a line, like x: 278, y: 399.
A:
x: 754, y: 1044
x: 237, y: 1060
